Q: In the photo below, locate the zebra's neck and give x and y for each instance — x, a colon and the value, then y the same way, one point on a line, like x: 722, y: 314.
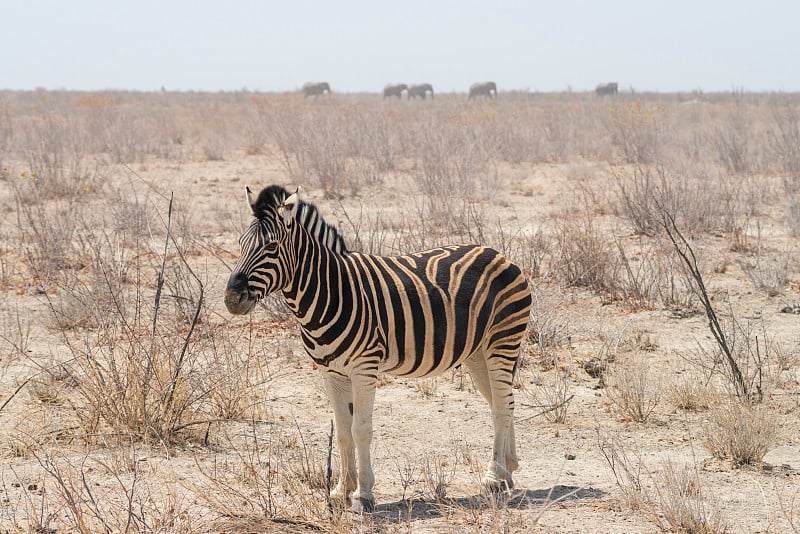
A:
x: 326, y: 234
x: 318, y: 282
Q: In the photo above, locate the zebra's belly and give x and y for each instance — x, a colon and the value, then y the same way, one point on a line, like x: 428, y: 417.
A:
x: 412, y: 365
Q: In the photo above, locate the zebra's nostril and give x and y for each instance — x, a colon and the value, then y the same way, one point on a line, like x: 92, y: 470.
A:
x: 237, y: 283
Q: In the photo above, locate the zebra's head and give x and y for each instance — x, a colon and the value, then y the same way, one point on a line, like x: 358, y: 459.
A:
x: 265, y: 263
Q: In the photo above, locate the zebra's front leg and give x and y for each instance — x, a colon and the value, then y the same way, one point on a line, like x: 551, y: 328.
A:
x: 340, y: 394
x: 364, y: 383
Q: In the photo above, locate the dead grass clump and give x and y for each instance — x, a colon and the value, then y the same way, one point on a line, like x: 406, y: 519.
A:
x: 272, y: 478
x: 732, y: 140
x: 681, y: 505
x: 633, y: 390
x: 438, y: 472
x: 636, y: 130
x: 55, y: 152
x: 427, y: 386
x: 769, y: 275
x: 672, y: 499
x: 80, y: 497
x: 690, y: 392
x: 644, y: 195
x: 586, y: 255
x: 15, y: 332
x: 550, y: 392
x: 47, y: 239
x: 784, y: 140
x: 740, y: 432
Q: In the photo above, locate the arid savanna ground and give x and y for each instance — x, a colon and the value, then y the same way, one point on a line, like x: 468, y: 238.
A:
x: 130, y: 400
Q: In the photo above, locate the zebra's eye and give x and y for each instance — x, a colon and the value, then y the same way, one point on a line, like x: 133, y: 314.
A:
x: 271, y: 247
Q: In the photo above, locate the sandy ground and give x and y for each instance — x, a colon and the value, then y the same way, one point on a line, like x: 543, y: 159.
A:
x: 564, y: 483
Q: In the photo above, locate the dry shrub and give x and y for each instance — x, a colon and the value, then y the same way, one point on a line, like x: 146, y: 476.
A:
x: 15, y: 332
x: 690, y: 392
x: 672, y: 499
x: 271, y: 479
x: 134, y: 501
x: 784, y: 140
x: 680, y: 504
x: 586, y: 257
x: 56, y: 158
x: 740, y: 432
x: 633, y: 391
x: 732, y: 139
x: 636, y: 130
x: 547, y: 329
x: 438, y: 472
x: 643, y: 196
x: 757, y: 358
x: 47, y: 238
x: 770, y: 275
x: 135, y: 361
x: 550, y: 392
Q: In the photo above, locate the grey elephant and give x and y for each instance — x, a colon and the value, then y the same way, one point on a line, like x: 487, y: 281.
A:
x: 394, y: 89
x: 315, y: 89
x: 420, y: 90
x: 483, y: 89
x: 606, y: 89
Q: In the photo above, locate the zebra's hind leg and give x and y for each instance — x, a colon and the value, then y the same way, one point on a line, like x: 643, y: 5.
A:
x: 492, y: 385
x: 340, y: 394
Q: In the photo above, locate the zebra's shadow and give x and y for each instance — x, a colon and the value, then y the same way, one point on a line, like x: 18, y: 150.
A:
x: 405, y: 510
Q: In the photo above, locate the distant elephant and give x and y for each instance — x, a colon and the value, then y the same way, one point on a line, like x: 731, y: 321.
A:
x: 420, y: 90
x: 483, y: 89
x: 315, y: 89
x: 394, y: 89
x: 606, y: 89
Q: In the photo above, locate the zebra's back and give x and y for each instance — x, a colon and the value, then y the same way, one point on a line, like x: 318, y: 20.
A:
x: 423, y: 313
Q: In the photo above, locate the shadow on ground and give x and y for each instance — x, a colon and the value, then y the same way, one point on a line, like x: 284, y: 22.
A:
x: 414, y: 509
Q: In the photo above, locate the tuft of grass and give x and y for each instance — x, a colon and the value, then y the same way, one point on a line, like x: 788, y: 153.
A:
x: 740, y: 432
x: 633, y: 390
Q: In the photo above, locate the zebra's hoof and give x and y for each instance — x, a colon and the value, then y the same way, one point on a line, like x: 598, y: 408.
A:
x: 497, y: 479
x: 363, y: 506
x: 498, y: 486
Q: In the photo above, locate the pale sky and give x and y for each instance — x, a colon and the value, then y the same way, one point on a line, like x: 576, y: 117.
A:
x: 205, y: 45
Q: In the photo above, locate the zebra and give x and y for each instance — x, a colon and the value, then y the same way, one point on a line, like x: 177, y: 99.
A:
x: 420, y: 90
x: 483, y: 88
x: 394, y: 90
x: 315, y: 89
x: 415, y: 315
x: 606, y: 89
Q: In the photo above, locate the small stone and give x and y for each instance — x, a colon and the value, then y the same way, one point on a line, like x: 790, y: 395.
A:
x: 569, y: 456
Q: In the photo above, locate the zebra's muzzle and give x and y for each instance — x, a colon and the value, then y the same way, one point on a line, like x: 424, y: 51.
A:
x: 237, y: 295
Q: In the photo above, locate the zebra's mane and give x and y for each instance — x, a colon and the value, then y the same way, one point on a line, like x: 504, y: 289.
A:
x: 270, y: 198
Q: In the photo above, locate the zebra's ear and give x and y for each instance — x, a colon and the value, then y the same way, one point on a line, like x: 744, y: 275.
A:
x: 289, y: 207
x: 250, y: 200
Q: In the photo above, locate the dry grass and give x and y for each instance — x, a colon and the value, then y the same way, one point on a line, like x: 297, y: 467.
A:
x: 672, y: 498
x: 740, y: 432
x: 634, y: 389
x: 125, y: 346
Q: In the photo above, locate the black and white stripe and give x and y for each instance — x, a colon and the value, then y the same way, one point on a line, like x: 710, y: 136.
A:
x: 414, y: 315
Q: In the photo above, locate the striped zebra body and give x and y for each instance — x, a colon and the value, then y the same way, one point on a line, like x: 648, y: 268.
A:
x: 414, y: 315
